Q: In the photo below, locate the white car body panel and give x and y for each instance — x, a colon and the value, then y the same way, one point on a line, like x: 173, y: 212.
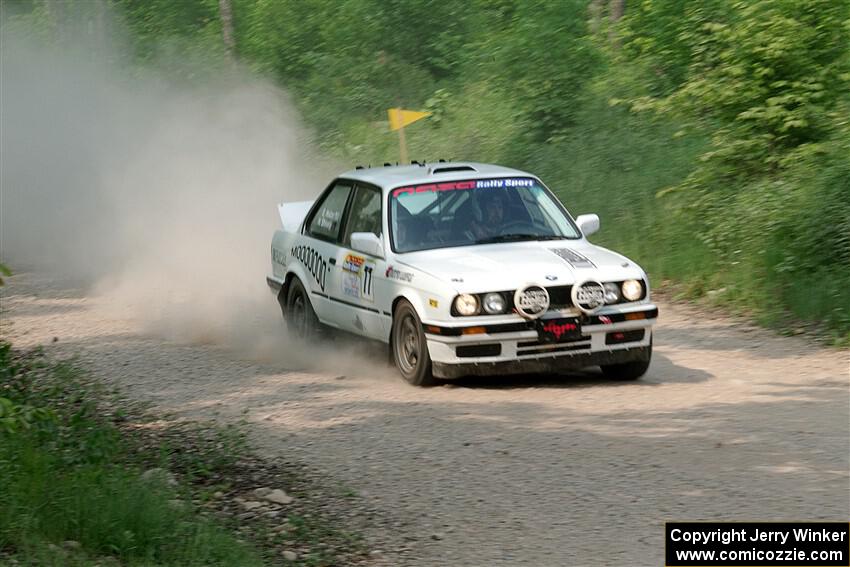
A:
x: 356, y: 292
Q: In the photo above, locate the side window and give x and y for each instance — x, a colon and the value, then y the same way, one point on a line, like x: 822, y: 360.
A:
x: 327, y: 219
x: 365, y: 213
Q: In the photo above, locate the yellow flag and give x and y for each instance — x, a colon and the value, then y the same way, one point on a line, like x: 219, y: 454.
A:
x: 399, y: 118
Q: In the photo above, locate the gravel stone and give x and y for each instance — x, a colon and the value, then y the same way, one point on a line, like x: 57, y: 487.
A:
x: 278, y: 496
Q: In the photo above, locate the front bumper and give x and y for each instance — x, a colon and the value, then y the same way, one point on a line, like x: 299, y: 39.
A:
x: 609, y: 337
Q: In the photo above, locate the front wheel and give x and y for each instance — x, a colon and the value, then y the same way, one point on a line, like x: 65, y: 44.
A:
x: 409, y: 347
x: 628, y: 370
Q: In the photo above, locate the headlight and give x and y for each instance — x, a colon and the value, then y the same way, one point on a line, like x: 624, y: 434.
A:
x: 466, y: 304
x: 632, y: 290
x: 612, y: 293
x: 493, y: 303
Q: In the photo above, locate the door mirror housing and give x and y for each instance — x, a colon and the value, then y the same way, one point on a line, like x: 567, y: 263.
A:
x: 588, y: 224
x: 368, y: 243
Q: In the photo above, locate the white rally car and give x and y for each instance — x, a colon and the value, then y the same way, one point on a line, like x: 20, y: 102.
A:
x: 461, y: 268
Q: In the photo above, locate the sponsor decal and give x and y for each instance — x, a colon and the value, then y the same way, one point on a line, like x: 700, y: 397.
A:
x: 560, y: 329
x: 328, y: 220
x: 357, y: 277
x: 353, y: 263
x: 313, y: 261
x: 394, y: 274
x: 573, y: 258
x: 588, y: 296
x: 433, y: 303
x: 507, y: 182
x: 278, y: 256
x: 531, y: 301
x: 605, y: 320
x: 461, y: 185
x: 368, y: 279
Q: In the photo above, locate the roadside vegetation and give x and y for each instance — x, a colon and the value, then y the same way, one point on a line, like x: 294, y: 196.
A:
x: 712, y: 137
x: 92, y: 479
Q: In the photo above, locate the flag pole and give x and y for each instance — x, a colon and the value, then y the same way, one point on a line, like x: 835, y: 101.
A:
x: 402, y: 146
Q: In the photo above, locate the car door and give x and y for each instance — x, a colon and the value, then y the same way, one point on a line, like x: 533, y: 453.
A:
x: 318, y: 248
x: 354, y: 289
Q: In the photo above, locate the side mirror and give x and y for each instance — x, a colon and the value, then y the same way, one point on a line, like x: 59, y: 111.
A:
x: 588, y: 224
x: 368, y: 243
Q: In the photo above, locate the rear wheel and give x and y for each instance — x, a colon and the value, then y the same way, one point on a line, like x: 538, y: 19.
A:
x: 301, y: 320
x: 628, y: 370
x: 409, y: 347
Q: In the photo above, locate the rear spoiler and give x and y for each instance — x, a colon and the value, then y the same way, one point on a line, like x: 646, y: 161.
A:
x: 292, y: 214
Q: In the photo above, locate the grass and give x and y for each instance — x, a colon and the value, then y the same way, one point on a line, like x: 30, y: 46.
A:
x: 74, y: 493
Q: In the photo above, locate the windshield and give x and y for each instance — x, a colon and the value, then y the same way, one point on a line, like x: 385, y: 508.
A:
x: 480, y: 211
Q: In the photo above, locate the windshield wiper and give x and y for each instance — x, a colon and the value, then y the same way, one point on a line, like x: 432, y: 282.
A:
x: 517, y: 237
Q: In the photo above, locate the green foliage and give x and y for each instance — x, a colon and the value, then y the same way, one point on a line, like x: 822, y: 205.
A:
x: 5, y: 272
x: 541, y: 60
x: 15, y: 417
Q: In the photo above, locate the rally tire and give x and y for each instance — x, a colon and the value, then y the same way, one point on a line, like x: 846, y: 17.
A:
x: 628, y: 370
x: 301, y: 320
x: 409, y: 347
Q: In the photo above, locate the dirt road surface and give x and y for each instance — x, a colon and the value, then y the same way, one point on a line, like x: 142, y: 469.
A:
x: 731, y: 423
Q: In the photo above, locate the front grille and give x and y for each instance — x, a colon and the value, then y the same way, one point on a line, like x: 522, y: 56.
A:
x: 474, y: 351
x: 559, y: 296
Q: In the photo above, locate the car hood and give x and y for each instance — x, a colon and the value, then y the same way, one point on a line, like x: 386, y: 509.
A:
x: 508, y: 266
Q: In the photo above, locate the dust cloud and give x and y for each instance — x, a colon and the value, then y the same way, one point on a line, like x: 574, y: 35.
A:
x: 157, y: 195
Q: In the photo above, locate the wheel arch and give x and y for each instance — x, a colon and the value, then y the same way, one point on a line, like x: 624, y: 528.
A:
x: 418, y: 306
x: 291, y: 274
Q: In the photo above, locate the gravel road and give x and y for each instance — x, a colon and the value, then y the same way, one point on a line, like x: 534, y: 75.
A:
x: 731, y: 422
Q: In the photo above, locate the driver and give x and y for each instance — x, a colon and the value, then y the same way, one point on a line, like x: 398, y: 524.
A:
x: 491, y: 204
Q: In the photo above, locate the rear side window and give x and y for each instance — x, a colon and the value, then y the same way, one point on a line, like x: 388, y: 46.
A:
x: 327, y: 219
